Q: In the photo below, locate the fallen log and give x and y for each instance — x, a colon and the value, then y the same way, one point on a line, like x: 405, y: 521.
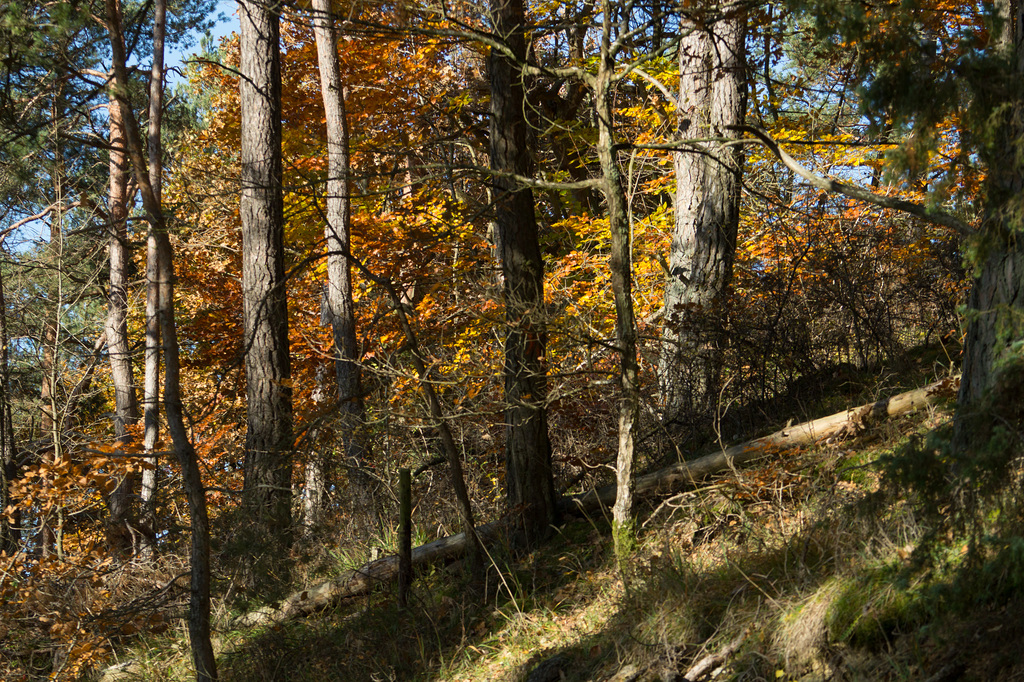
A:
x: 846, y: 423
x: 666, y: 481
x: 362, y: 580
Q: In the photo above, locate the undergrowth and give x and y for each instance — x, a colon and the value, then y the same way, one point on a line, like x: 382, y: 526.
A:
x: 857, y: 560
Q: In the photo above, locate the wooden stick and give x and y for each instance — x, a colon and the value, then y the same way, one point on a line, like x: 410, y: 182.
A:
x: 707, y: 664
x: 404, y: 535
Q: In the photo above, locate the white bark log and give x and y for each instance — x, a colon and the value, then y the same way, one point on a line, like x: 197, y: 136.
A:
x: 847, y: 422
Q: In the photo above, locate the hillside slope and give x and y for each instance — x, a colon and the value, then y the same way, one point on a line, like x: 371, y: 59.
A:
x: 815, y: 565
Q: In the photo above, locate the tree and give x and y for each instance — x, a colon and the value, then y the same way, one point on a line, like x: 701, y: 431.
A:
x: 995, y: 325
x: 126, y: 410
x: 268, y: 442
x: 50, y: 181
x: 967, y: 71
x: 156, y: 271
x: 620, y: 262
x: 199, y: 606
x: 529, y: 483
x: 10, y: 533
x: 338, y: 307
x: 711, y: 103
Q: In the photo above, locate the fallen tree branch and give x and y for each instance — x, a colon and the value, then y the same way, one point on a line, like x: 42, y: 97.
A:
x: 362, y: 580
x: 707, y: 664
x: 847, y: 422
x: 929, y: 213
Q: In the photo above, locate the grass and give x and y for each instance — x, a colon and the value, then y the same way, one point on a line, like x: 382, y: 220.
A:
x: 819, y: 572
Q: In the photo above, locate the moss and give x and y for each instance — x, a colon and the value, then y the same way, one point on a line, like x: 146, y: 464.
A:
x: 624, y: 539
x: 867, y: 610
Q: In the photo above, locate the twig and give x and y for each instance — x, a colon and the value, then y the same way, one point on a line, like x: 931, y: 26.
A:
x: 707, y: 664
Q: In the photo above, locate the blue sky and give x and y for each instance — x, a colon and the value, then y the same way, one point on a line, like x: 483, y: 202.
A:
x: 174, y: 60
x: 227, y: 10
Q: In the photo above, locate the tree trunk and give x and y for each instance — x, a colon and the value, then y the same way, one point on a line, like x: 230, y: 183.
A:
x: 126, y: 408
x: 338, y: 305
x: 712, y: 97
x: 199, y: 604
x: 50, y: 421
x: 151, y: 389
x: 10, y: 533
x: 621, y: 264
x: 995, y: 319
x: 47, y: 431
x: 268, y: 442
x: 314, y: 492
x: 125, y: 404
x: 529, y: 480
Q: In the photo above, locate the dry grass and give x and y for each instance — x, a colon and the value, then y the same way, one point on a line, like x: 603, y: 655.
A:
x: 789, y: 555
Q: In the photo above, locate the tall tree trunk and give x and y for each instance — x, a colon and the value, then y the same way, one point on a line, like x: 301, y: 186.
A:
x: 199, y: 604
x: 712, y: 97
x: 621, y: 266
x: 126, y: 408
x: 47, y: 430
x: 338, y: 306
x: 995, y: 319
x: 268, y: 442
x: 151, y: 389
x: 50, y: 422
x: 10, y: 533
x: 529, y: 479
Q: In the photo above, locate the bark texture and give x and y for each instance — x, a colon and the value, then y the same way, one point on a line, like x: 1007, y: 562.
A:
x: 122, y: 376
x: 339, y: 309
x: 199, y: 603
x: 151, y: 388
x: 151, y: 385
x: 621, y: 265
x: 712, y: 98
x: 126, y: 406
x: 530, y: 486
x: 268, y: 442
x: 995, y: 312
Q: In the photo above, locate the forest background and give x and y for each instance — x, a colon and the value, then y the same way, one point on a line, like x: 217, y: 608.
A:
x: 522, y: 249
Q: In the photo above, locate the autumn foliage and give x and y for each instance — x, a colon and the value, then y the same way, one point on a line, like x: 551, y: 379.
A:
x: 825, y: 289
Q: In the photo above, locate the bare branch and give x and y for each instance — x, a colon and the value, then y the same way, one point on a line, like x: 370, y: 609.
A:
x: 932, y: 215
x: 658, y: 84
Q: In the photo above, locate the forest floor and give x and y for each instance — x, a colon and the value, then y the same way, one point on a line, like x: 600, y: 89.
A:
x: 807, y: 566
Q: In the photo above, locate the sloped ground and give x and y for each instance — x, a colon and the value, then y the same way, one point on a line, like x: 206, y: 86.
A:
x: 797, y: 570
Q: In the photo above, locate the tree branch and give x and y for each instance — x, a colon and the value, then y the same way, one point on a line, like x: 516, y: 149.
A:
x: 859, y: 193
